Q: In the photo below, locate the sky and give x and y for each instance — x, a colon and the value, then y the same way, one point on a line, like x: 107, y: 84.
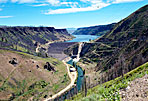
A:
x: 66, y: 13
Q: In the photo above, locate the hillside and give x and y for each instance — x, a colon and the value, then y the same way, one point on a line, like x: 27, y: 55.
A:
x: 28, y: 38
x: 25, y: 76
x: 94, y: 30
x: 131, y: 87
x: 117, y: 52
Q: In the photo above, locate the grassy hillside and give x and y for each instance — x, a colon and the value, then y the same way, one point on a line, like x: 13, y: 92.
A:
x: 28, y: 78
x: 28, y: 38
x: 117, y: 52
x: 110, y: 90
x: 94, y: 30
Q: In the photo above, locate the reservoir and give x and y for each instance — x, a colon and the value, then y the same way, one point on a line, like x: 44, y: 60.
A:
x: 83, y: 38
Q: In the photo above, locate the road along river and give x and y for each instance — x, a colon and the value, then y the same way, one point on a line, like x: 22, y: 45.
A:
x: 74, y: 87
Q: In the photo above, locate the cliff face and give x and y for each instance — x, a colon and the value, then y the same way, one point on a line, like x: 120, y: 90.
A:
x: 121, y: 50
x: 94, y: 30
x: 27, y: 38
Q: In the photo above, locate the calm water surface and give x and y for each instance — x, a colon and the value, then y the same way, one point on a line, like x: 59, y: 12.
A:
x: 83, y: 38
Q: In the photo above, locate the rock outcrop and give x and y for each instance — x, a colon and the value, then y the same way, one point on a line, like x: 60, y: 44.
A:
x: 13, y: 61
x: 49, y: 67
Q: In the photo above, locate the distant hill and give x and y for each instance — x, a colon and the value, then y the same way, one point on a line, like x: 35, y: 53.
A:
x: 71, y: 30
x: 27, y: 38
x: 94, y: 30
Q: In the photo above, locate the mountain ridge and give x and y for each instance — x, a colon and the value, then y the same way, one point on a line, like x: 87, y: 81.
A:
x: 28, y: 38
x: 94, y: 30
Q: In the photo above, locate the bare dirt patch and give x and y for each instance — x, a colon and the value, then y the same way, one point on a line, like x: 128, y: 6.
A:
x: 136, y: 91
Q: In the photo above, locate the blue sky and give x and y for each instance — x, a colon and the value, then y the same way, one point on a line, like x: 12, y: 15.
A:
x: 66, y: 13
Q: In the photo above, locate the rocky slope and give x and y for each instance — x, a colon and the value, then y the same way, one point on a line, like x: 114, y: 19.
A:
x: 137, y: 90
x: 94, y: 30
x: 28, y: 38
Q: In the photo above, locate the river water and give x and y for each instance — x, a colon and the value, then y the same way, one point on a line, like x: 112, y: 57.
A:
x: 83, y: 38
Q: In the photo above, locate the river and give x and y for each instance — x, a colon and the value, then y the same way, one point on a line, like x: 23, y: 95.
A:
x: 80, y: 38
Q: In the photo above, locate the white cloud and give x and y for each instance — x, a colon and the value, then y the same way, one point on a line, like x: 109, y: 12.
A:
x: 110, y: 1
x: 92, y: 1
x: 73, y: 10
x: 1, y: 9
x: 85, y: 0
x: 6, y: 16
x: 95, y: 5
x: 70, y: 4
x: 73, y: 5
x: 40, y: 5
x: 53, y: 2
x: 3, y: 1
x: 14, y: 0
x: 66, y: 3
x: 23, y: 1
x: 69, y: 10
x: 20, y: 1
x: 123, y: 1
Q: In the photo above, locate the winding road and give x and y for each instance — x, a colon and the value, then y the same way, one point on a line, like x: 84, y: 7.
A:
x: 73, y: 77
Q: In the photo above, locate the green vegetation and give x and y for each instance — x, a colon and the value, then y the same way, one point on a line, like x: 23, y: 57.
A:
x: 21, y: 48
x: 110, y: 89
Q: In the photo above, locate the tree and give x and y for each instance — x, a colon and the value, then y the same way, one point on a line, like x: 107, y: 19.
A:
x: 122, y: 64
x: 2, y: 39
x: 73, y: 64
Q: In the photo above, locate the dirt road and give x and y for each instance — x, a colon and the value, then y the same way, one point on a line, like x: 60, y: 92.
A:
x: 73, y: 77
